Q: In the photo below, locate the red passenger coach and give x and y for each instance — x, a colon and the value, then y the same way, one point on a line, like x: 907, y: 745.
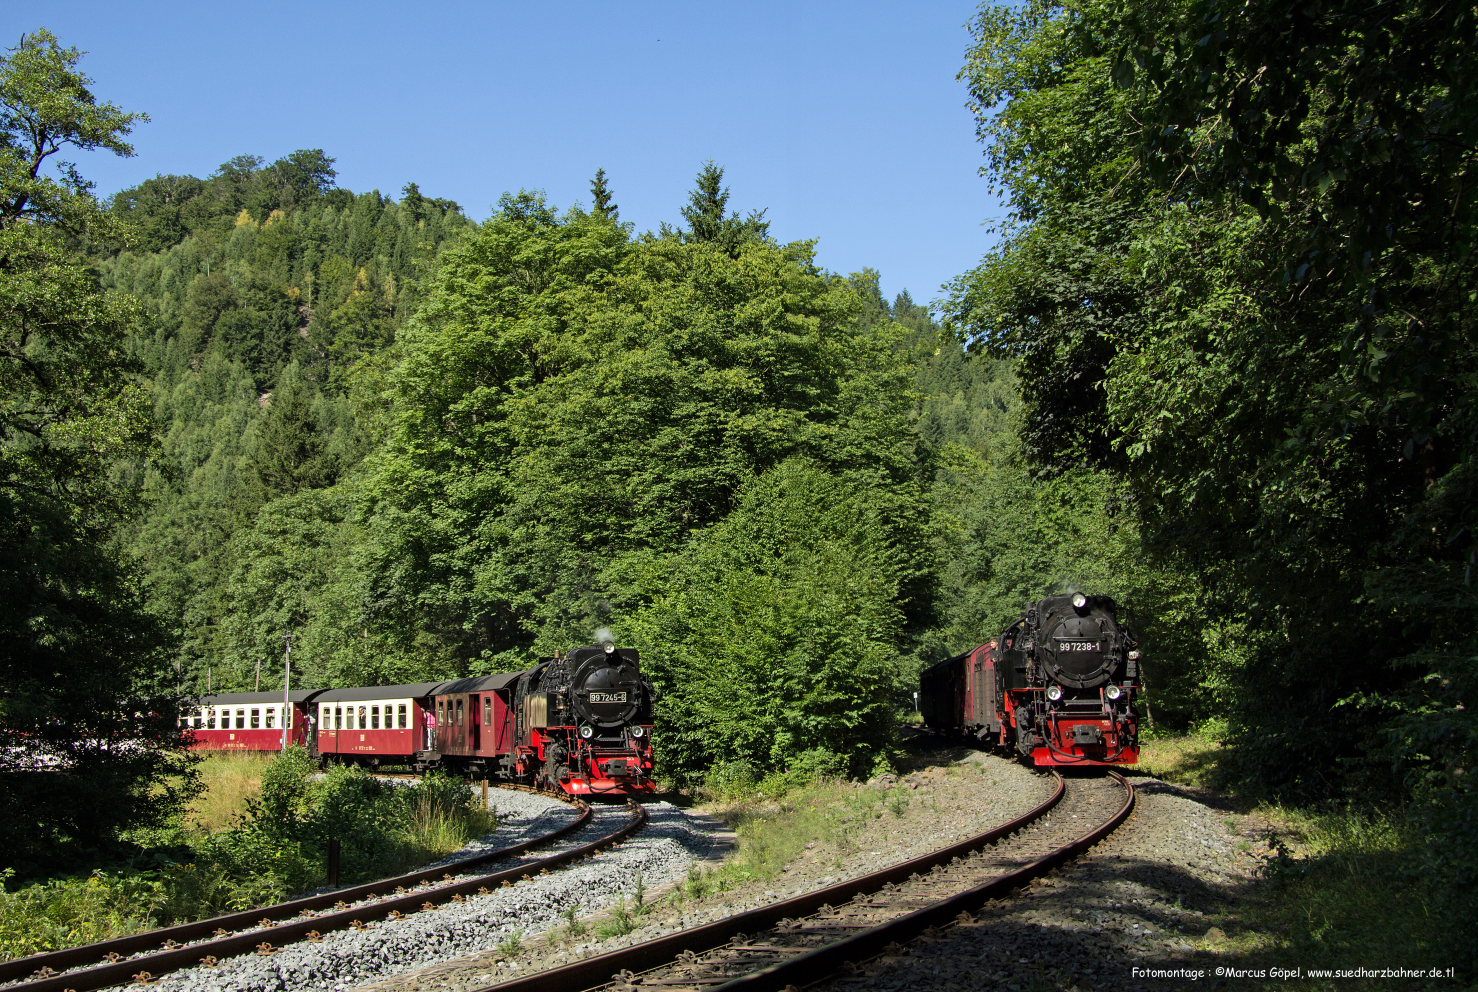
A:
x: 474, y: 723
x: 247, y: 721
x: 373, y: 725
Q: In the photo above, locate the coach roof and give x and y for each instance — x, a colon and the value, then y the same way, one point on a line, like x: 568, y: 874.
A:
x: 481, y: 683
x: 365, y: 693
x: 245, y: 698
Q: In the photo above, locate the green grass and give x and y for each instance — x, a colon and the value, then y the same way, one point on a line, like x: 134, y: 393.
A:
x: 1346, y: 887
x: 826, y: 819
x: 227, y: 782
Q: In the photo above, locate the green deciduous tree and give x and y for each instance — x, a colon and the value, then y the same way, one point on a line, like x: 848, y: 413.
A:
x: 570, y: 403
x: 86, y: 703
x: 777, y: 632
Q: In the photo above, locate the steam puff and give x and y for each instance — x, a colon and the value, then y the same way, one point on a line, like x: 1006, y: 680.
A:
x: 603, y: 635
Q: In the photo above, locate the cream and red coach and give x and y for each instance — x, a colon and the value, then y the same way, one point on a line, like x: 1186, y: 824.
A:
x: 373, y: 725
x: 248, y: 721
x: 1059, y: 685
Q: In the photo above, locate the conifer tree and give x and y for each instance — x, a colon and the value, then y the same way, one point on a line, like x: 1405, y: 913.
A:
x: 600, y: 193
x: 707, y: 221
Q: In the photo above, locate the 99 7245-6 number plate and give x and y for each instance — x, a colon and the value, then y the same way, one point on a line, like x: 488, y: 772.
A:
x: 608, y: 697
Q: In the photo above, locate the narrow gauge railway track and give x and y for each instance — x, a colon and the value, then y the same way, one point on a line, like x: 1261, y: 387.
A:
x: 813, y: 937
x: 126, y: 959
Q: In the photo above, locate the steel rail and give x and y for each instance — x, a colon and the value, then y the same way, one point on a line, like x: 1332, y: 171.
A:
x: 265, y: 929
x: 827, y: 960
x: 593, y: 972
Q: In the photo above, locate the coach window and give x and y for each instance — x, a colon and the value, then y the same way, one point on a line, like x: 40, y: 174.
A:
x: 256, y: 718
x: 241, y: 719
x: 404, y: 719
x: 339, y: 717
x: 271, y: 717
x: 487, y: 711
x: 363, y: 718
x: 460, y: 712
x: 375, y: 717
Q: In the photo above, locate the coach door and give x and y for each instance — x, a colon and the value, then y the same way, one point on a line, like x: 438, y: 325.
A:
x: 474, y: 723
x: 453, y: 720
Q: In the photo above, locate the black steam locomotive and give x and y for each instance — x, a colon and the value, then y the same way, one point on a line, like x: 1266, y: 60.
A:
x: 1059, y: 686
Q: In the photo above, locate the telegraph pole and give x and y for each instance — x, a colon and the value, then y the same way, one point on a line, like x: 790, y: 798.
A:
x: 287, y: 674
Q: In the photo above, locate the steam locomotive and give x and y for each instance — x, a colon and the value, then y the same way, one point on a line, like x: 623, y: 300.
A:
x: 1058, y: 685
x: 580, y: 722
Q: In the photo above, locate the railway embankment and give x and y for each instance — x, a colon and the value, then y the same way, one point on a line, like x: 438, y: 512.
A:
x: 1168, y: 889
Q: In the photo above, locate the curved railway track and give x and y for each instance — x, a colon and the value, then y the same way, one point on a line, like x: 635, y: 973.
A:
x: 144, y: 956
x: 813, y: 937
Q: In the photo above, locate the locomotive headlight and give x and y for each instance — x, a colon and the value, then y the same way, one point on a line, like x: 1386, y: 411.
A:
x: 1054, y: 692
x: 1113, y: 692
x: 1079, y: 600
x: 610, y: 647
x: 587, y: 732
x: 637, y: 731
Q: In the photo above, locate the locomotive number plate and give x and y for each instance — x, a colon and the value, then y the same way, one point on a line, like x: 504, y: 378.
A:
x: 1077, y: 645
x: 608, y: 697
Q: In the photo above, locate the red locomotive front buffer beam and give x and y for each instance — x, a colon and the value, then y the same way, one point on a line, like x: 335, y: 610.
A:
x: 1077, y: 738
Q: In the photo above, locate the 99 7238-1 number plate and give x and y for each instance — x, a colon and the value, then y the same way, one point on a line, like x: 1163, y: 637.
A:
x: 608, y: 697
x: 1071, y: 646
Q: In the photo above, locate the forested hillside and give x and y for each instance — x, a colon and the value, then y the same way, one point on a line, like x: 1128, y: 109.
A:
x: 264, y: 291
x: 422, y: 463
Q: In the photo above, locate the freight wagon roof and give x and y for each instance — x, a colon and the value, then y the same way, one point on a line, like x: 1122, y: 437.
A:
x: 238, y: 698
x: 481, y: 683
x: 416, y: 691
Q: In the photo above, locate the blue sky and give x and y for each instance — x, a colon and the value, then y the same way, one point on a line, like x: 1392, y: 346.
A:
x: 843, y: 119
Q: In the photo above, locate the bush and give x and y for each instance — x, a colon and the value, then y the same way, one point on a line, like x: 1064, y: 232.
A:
x: 730, y: 780
x: 805, y: 768
x: 780, y: 627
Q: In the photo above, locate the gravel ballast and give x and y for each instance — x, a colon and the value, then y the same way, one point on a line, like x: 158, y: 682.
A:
x: 1138, y: 912
x: 672, y: 841
x: 1147, y: 897
x: 952, y: 796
